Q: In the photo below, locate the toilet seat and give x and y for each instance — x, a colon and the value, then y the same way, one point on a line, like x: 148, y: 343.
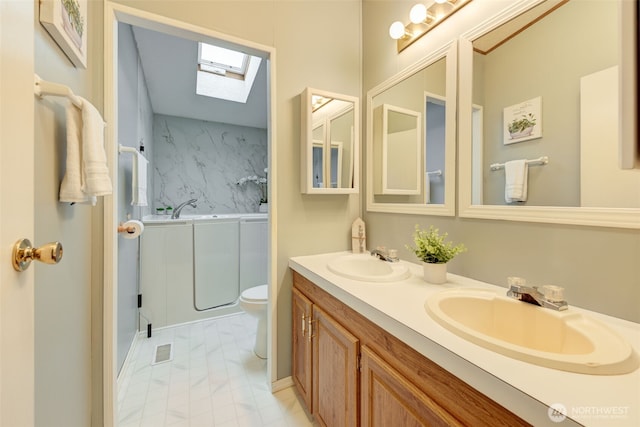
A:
x: 256, y: 294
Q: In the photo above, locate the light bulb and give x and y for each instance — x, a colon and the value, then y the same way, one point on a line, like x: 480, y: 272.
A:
x: 441, y: 1
x: 418, y: 13
x: 396, y: 30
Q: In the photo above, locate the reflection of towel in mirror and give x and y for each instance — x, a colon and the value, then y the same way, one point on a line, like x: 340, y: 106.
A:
x: 427, y: 188
x: 516, y: 176
x: 139, y: 180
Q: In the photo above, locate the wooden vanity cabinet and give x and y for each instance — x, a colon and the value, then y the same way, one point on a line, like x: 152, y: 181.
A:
x: 389, y: 399
x: 363, y: 376
x: 301, y: 372
x: 335, y: 372
x: 325, y: 365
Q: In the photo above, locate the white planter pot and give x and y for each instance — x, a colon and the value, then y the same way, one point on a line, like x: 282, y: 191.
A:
x: 435, y: 273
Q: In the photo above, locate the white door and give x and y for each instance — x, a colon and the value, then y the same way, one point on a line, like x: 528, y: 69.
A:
x: 16, y: 211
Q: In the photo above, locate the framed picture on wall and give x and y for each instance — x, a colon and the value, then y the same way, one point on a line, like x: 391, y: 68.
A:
x: 523, y: 121
x: 66, y: 21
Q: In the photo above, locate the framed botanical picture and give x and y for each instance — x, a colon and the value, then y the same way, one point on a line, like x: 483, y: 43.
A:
x: 523, y: 121
x: 66, y: 21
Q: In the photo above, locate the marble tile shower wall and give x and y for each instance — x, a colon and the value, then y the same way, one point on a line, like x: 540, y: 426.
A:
x: 204, y: 160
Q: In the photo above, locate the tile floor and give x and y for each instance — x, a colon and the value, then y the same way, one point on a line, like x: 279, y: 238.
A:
x: 213, y: 379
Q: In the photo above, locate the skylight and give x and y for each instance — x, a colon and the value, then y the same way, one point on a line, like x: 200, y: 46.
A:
x: 215, y: 57
x: 224, y: 73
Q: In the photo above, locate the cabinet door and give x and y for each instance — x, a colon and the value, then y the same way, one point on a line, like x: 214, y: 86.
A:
x: 389, y: 399
x: 335, y: 372
x: 302, y: 346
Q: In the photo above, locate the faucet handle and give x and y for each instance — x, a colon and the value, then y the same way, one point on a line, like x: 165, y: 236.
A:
x: 553, y: 293
x: 516, y: 283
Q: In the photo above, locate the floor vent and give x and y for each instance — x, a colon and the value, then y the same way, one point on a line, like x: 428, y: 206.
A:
x: 163, y: 353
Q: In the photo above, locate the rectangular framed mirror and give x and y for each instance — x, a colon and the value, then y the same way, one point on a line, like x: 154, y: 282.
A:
x: 318, y: 157
x: 549, y: 64
x: 411, y: 138
x: 330, y: 153
x: 397, y: 150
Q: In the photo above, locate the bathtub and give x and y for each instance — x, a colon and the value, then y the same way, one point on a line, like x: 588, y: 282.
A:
x: 196, y: 266
x: 166, y: 219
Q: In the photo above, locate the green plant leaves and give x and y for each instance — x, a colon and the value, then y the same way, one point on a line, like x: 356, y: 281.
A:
x: 431, y: 247
x: 518, y: 125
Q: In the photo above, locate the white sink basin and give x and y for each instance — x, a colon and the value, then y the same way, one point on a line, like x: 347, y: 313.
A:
x: 566, y: 340
x: 366, y: 268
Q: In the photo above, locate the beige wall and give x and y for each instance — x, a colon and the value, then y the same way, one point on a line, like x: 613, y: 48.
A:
x: 597, y: 266
x: 318, y: 45
x: 68, y: 314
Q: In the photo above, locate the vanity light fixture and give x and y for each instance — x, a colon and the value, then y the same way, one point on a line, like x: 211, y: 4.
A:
x: 419, y: 14
x: 423, y: 18
x: 397, y: 31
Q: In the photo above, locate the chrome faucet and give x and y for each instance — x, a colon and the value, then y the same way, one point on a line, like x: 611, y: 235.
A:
x: 176, y: 211
x: 383, y: 254
x: 550, y: 297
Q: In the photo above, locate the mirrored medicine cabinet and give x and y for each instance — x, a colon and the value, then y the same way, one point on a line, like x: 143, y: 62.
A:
x: 411, y: 138
x: 329, y: 143
x: 551, y: 61
x: 397, y: 150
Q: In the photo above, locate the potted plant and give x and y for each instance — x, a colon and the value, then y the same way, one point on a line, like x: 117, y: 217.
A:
x: 431, y: 248
x: 261, y: 182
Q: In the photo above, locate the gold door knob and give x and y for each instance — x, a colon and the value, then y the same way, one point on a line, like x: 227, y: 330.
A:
x: 23, y: 254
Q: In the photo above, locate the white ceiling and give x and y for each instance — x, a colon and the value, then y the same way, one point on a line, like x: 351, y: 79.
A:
x: 169, y: 66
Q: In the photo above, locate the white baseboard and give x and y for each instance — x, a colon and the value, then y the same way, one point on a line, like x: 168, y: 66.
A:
x: 126, y: 365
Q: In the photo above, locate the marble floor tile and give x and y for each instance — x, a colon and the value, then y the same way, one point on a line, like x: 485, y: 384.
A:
x: 213, y: 380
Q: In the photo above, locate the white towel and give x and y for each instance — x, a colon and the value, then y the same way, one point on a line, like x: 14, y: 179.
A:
x: 72, y: 182
x: 427, y: 188
x: 139, y: 180
x: 94, y: 159
x: 516, y: 176
x: 86, y: 175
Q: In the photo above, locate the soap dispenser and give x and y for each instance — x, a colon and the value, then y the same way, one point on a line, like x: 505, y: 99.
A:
x: 358, y: 237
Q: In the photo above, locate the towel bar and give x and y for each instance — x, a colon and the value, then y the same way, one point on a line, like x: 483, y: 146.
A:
x: 539, y: 161
x: 45, y: 88
x: 125, y: 149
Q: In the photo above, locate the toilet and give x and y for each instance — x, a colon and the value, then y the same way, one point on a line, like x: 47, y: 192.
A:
x: 254, y: 302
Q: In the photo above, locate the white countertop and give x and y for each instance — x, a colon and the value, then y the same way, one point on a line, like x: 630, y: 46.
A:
x: 527, y: 390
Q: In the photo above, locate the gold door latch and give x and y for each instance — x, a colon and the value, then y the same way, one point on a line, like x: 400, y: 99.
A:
x: 23, y: 254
